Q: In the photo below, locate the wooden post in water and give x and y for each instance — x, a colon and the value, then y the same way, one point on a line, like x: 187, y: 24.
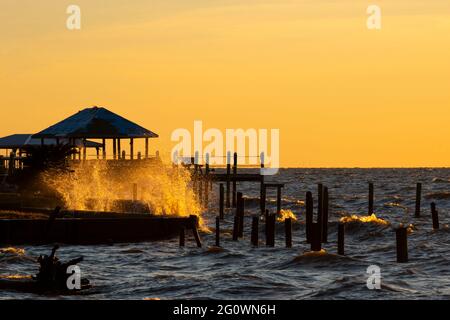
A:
x: 234, y: 180
x: 217, y: 232
x: 370, y: 211
x: 124, y: 155
x: 221, y: 201
x: 255, y: 231
x: 182, y: 236
x: 240, y: 213
x: 316, y: 238
x: 278, y: 199
x: 418, y: 198
x: 131, y: 148
x: 194, y: 223
x: 228, y: 204
x: 261, y: 184
x: 235, y: 227
x: 402, y: 244
x: 135, y: 192
x: 434, y: 216
x: 320, y: 206
x: 263, y: 199
x: 309, y: 215
x: 119, y: 150
x: 325, y: 215
x: 341, y: 238
x: 288, y: 232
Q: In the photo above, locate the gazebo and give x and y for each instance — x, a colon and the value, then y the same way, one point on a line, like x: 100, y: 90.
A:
x: 97, y: 123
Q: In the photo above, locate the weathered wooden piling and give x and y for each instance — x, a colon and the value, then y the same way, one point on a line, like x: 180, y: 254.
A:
x: 182, y: 236
x: 402, y: 244
x: 341, y: 238
x: 234, y: 180
x: 270, y: 225
x: 370, y: 210
x: 418, y: 199
x: 262, y: 203
x: 309, y: 215
x: 320, y: 206
x: 221, y: 201
x: 288, y: 232
x: 434, y: 216
x: 241, y: 212
x: 228, y: 180
x: 135, y: 191
x: 235, y: 228
x: 325, y: 215
x: 194, y: 223
x: 255, y: 231
x: 279, y: 199
x: 263, y: 199
x: 240, y: 207
x: 217, y: 231
x: 316, y: 237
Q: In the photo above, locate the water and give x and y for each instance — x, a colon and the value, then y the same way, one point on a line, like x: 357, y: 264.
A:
x: 163, y: 270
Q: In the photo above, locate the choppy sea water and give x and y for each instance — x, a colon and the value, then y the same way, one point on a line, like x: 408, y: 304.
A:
x: 239, y: 271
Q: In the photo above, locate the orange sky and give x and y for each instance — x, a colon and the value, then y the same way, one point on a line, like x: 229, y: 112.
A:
x: 341, y: 95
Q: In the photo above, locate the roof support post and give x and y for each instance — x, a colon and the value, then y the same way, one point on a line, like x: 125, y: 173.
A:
x: 114, y: 149
x: 118, y: 148
x: 84, y: 150
x: 146, y: 148
x: 131, y: 148
x: 104, y: 149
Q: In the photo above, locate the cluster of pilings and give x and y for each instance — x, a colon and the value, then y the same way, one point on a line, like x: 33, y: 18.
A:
x: 316, y: 225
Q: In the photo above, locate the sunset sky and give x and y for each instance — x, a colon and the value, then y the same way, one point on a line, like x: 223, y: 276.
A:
x: 341, y: 95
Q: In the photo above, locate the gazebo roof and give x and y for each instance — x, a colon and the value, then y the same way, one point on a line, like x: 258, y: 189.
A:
x: 17, y: 141
x: 95, y: 123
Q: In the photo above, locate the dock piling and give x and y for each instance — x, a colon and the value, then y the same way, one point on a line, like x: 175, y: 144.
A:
x: 234, y: 180
x: 236, y: 227
x: 288, y: 232
x: 255, y: 231
x: 309, y: 215
x: 402, y: 244
x: 228, y: 204
x: 316, y: 238
x: 240, y: 213
x: 371, y: 210
x: 221, y: 201
x: 325, y: 209
x: 217, y: 231
x: 194, y: 223
x: 341, y: 239
x: 320, y: 206
x: 434, y: 216
x: 270, y: 230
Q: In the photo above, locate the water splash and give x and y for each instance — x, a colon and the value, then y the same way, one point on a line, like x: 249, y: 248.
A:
x: 12, y: 250
x: 100, y: 185
x: 284, y: 214
x: 15, y: 276
x: 364, y: 219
